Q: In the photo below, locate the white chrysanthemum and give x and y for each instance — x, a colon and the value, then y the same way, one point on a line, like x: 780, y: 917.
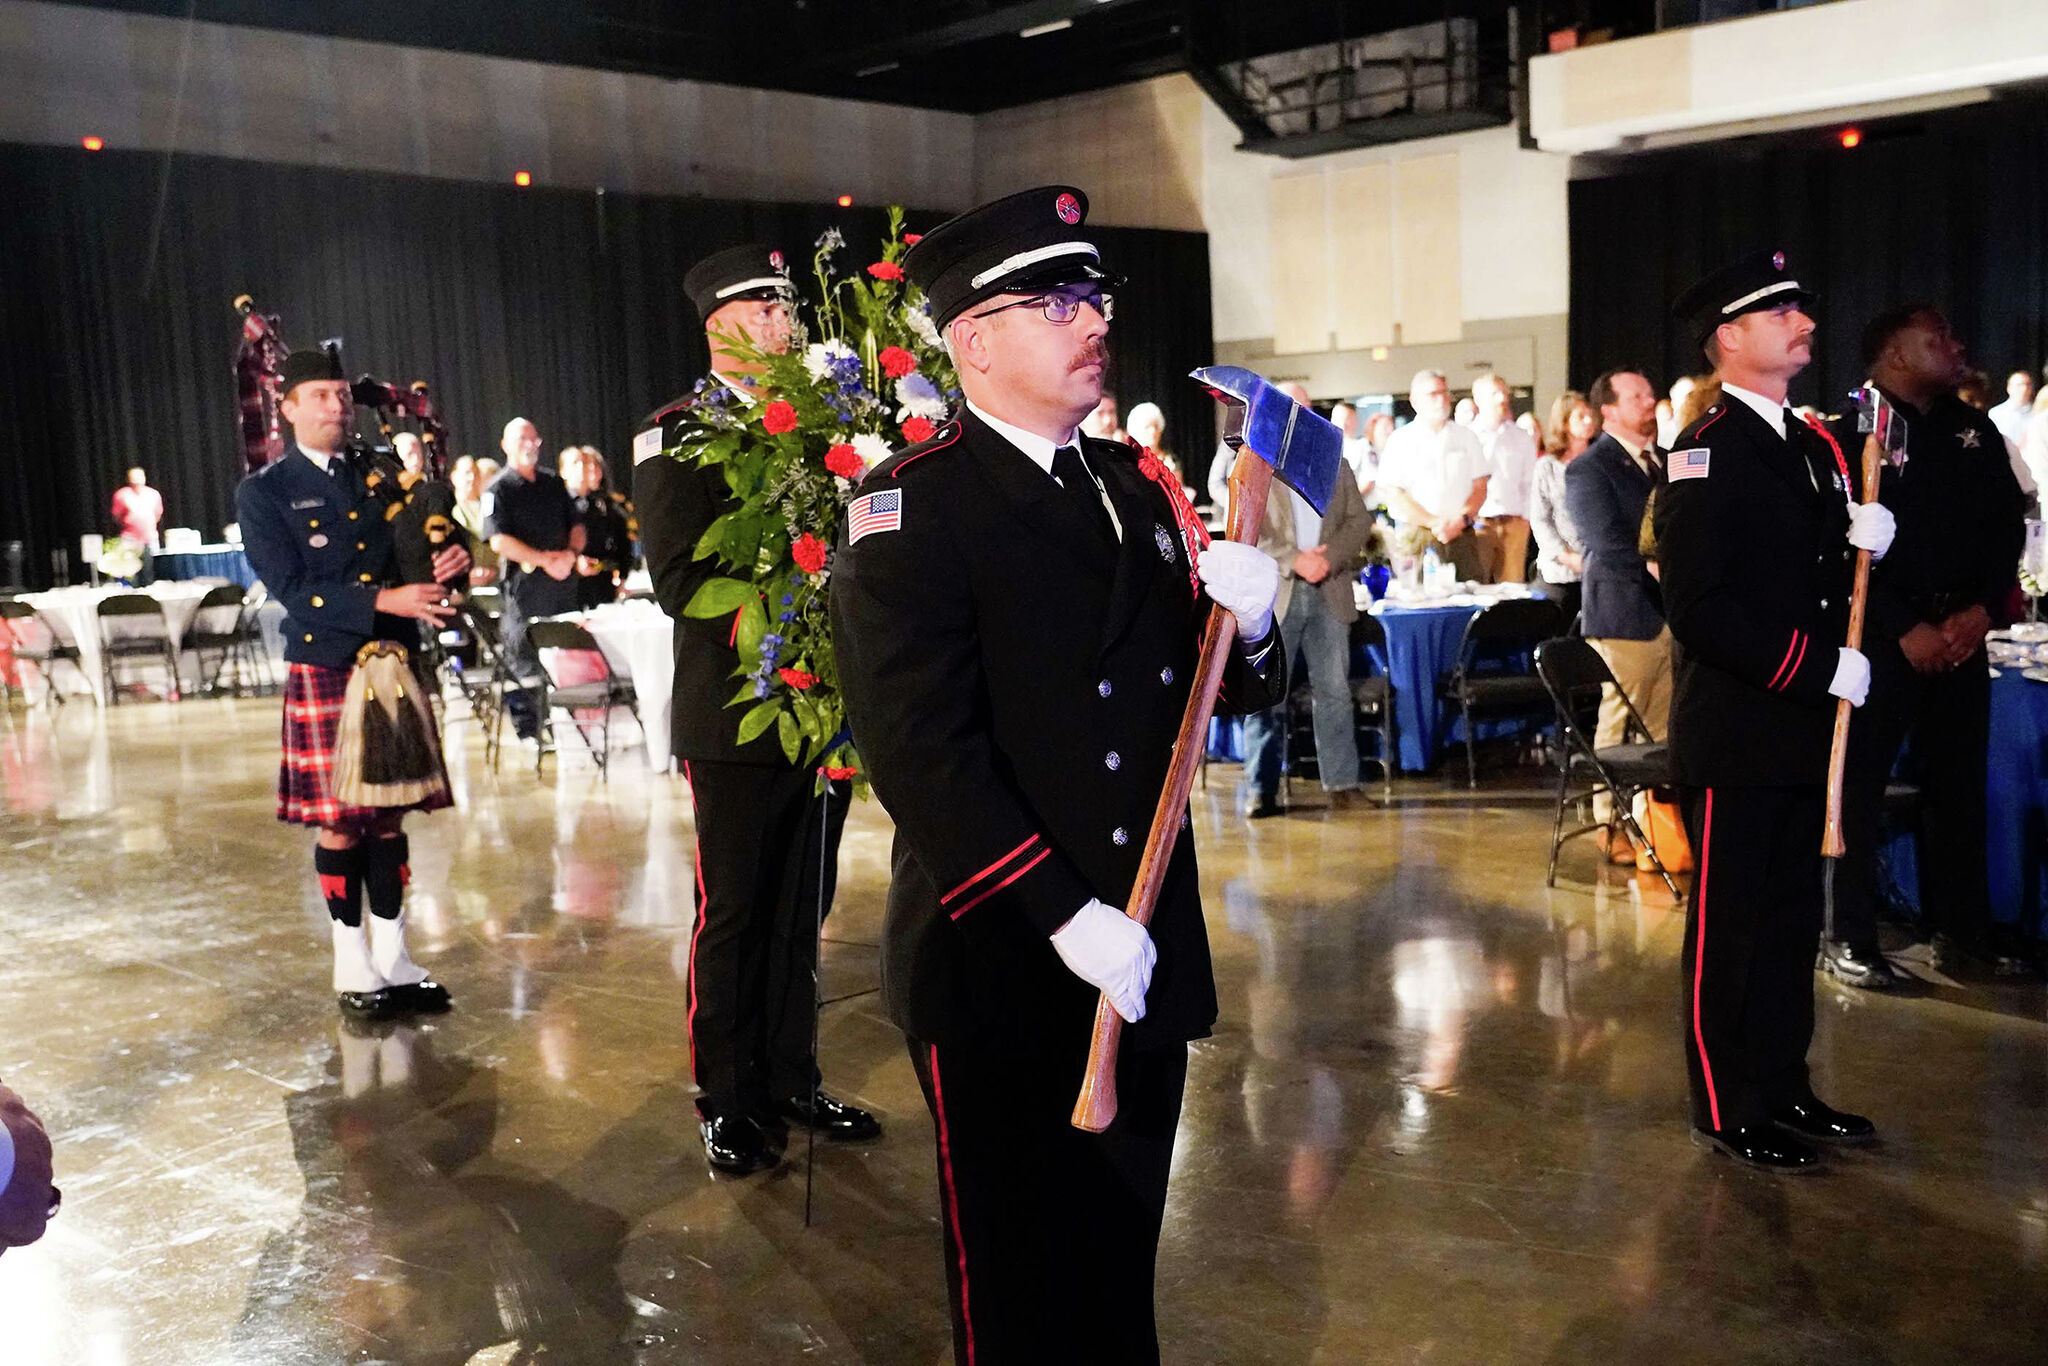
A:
x: 873, y: 449
x: 921, y: 323
x: 920, y: 398
x: 819, y: 356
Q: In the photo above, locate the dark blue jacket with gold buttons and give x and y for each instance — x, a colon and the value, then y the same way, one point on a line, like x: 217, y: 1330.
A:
x: 322, y: 544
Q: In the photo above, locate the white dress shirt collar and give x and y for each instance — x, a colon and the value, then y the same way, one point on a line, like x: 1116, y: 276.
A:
x: 320, y: 461
x: 1031, y: 443
x: 1769, y: 411
x: 747, y: 393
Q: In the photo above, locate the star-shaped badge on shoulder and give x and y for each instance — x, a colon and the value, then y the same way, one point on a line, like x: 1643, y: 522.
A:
x: 1970, y: 438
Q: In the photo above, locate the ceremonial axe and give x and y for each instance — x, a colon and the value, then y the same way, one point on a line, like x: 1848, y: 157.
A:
x: 1273, y: 436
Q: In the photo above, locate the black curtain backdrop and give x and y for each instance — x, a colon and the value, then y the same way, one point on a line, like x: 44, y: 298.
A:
x: 117, y: 336
x: 1950, y: 209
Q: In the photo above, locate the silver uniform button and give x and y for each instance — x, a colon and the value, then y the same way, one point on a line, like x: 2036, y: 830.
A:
x: 1103, y: 687
x: 1166, y: 675
x: 1119, y: 836
x: 1823, y: 602
x: 1112, y: 761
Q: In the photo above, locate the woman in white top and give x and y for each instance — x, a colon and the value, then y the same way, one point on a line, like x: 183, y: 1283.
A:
x: 1573, y: 425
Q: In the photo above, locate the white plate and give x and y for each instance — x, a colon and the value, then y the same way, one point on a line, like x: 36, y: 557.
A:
x: 1995, y: 673
x: 2039, y: 675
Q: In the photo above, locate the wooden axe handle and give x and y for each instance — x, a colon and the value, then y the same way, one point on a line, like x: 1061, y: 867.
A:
x: 1832, y: 845
x: 1250, y: 480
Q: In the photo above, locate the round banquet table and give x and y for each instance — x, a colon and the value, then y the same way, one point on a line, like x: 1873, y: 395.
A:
x: 2016, y: 783
x: 73, y: 614
x: 216, y: 562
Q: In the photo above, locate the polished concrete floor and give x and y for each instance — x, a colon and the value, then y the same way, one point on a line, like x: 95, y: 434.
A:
x: 1440, y: 1119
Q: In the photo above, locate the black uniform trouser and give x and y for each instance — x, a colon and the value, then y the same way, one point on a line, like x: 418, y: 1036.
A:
x: 521, y: 661
x: 1050, y: 1232
x: 1948, y: 717
x: 761, y: 838
x: 1752, y: 926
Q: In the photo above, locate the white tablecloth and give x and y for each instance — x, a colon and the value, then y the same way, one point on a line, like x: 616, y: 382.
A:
x: 73, y: 614
x: 638, y: 641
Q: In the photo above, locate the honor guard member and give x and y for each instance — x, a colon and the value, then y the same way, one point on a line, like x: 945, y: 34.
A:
x: 1944, y: 583
x: 530, y: 521
x: 316, y: 527
x: 1017, y: 611
x: 760, y: 845
x: 1757, y: 541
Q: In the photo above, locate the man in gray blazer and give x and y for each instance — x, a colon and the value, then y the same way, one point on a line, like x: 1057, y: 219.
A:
x: 1319, y: 559
x: 1622, y: 610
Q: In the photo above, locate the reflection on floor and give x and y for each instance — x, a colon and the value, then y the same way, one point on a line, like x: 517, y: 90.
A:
x: 1440, y: 1120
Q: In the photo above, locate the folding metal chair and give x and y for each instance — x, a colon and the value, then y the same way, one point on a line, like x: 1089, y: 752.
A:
x: 600, y: 695
x: 32, y: 640
x: 1482, y: 685
x: 133, y: 629
x: 1575, y: 676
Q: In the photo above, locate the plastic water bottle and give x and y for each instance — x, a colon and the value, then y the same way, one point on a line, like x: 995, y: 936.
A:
x: 1430, y: 567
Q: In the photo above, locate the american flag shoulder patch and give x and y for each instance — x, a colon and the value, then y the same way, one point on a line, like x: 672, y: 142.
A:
x: 1687, y: 464
x: 874, y: 512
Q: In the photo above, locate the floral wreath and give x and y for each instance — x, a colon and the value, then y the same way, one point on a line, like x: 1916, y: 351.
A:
x: 834, y: 409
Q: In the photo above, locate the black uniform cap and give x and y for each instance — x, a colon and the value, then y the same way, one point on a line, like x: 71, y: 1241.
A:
x: 1027, y: 241
x: 311, y: 363
x: 751, y: 271
x: 1758, y: 281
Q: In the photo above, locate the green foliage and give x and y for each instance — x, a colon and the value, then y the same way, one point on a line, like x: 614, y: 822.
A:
x: 834, y: 398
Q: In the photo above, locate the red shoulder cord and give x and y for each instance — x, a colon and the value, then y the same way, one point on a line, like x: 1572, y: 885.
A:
x: 1193, y: 535
x: 1841, y: 461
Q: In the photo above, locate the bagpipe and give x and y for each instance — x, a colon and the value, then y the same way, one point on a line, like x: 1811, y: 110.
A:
x: 420, y: 506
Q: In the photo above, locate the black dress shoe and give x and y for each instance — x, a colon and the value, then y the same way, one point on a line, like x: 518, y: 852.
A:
x: 1856, y: 966
x: 1760, y: 1146
x: 426, y: 997
x: 365, y: 1005
x: 833, y: 1119
x: 735, y: 1145
x: 1819, y: 1123
x: 1262, y: 808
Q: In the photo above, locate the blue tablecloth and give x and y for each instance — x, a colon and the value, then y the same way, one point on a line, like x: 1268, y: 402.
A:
x: 212, y: 563
x: 1422, y: 646
x: 2016, y: 782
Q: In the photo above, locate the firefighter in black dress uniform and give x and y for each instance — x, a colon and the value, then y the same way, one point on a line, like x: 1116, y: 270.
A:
x: 1756, y: 542
x: 1944, y: 583
x: 760, y: 839
x: 1016, y: 619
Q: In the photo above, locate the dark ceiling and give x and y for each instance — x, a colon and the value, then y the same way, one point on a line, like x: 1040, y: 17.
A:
x: 964, y: 55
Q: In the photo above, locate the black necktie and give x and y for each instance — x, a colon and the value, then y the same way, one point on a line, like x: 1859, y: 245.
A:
x: 1073, y: 475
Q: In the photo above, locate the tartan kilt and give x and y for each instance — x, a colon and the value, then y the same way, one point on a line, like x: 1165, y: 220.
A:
x: 313, y: 696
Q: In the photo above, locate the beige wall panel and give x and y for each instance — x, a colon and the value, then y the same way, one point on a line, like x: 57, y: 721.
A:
x: 1300, y: 264
x: 1136, y: 150
x: 1428, y: 297
x: 1362, y: 252
x: 1611, y: 81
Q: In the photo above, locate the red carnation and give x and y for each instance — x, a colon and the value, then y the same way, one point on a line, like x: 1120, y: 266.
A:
x: 844, y: 461
x: 886, y: 270
x: 911, y: 239
x: 809, y: 553
x: 796, y: 678
x: 839, y: 775
x: 918, y: 429
x: 896, y: 362
x: 778, y: 417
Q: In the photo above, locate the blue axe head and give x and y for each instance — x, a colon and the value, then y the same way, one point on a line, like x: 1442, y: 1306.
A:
x: 1304, y: 450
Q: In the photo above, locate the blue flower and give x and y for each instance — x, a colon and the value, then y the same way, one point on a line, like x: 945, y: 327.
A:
x: 916, y: 386
x: 771, y: 639
x: 760, y: 689
x: 788, y: 598
x: 788, y: 616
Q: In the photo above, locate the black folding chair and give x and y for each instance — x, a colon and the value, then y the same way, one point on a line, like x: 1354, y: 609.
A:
x: 32, y: 640
x: 221, y: 627
x: 133, y: 630
x: 1575, y: 677
x: 485, y: 678
x: 1488, y: 683
x: 600, y: 694
x: 1372, y: 697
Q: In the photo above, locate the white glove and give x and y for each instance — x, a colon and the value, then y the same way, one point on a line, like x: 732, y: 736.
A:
x: 1851, y: 682
x: 1871, y: 528
x: 1111, y: 952
x: 1243, y: 580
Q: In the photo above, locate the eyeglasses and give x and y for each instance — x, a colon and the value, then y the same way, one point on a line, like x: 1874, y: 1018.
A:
x: 1060, y: 306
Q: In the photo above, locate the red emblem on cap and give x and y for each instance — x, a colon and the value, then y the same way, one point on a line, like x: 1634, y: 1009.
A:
x: 775, y: 261
x: 1777, y: 260
x: 1068, y: 208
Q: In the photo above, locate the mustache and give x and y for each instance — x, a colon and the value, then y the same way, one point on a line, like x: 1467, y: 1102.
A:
x: 1093, y: 353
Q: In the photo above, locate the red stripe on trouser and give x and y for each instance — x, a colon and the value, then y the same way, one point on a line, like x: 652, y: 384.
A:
x: 952, y: 1199
x: 696, y: 852
x: 1699, y: 955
